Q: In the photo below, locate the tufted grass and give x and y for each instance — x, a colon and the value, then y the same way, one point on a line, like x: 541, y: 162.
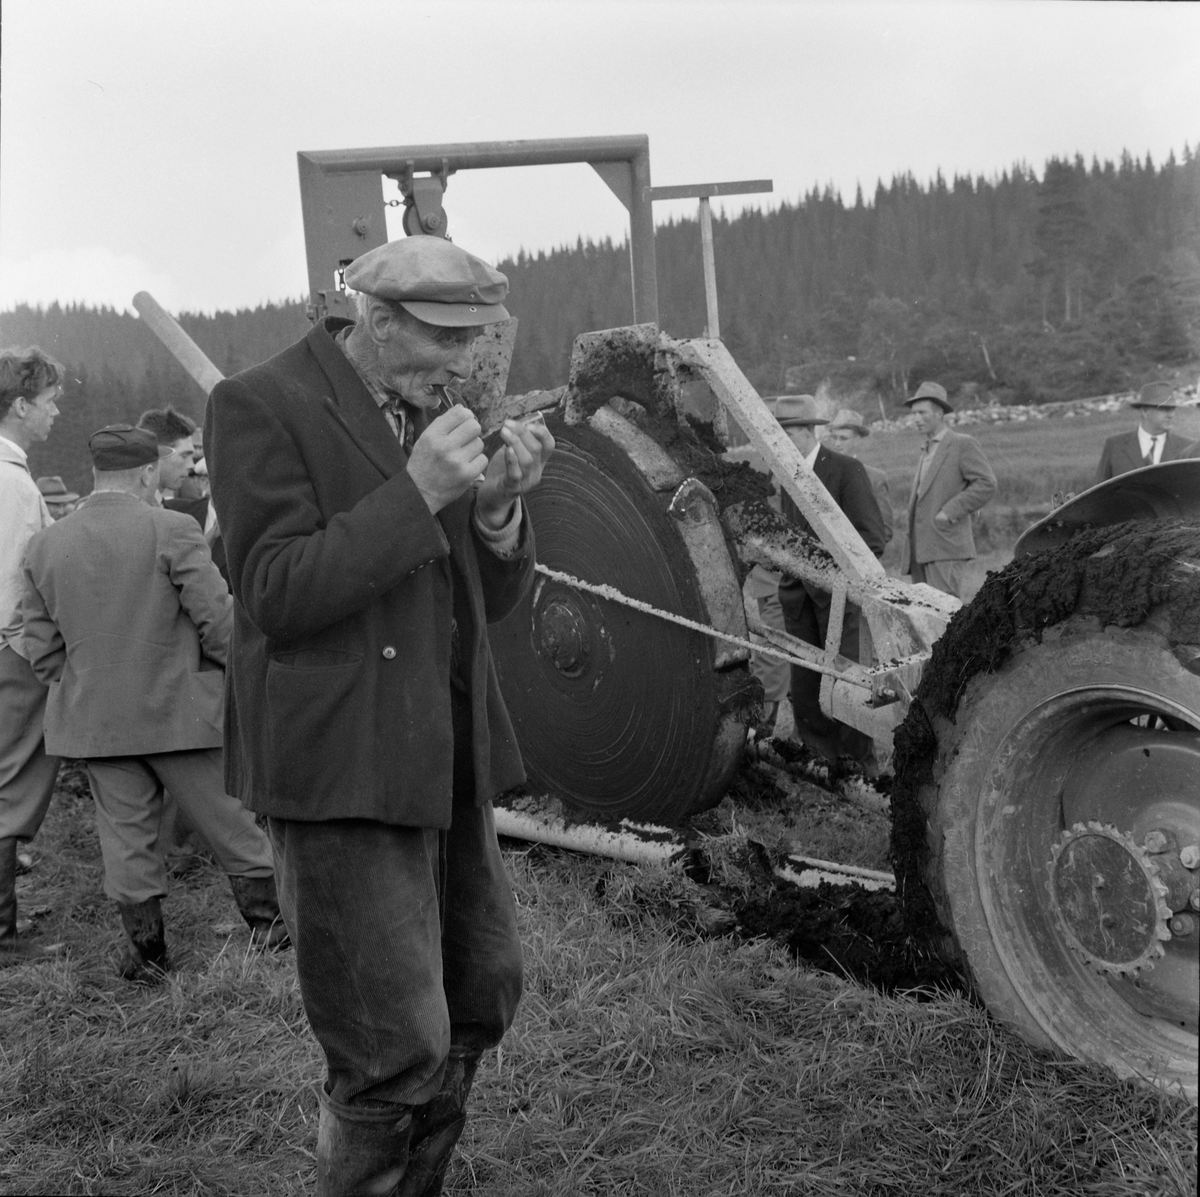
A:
x: 646, y: 1059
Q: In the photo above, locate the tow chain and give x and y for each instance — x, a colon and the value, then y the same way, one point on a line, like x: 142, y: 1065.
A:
x: 602, y: 590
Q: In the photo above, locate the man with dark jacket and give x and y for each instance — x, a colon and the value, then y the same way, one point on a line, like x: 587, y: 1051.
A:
x: 127, y: 622
x: 805, y: 607
x: 1151, y: 442
x: 370, y: 541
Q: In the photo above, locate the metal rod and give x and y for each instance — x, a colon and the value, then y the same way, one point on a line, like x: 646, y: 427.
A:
x: 699, y: 190
x: 482, y: 155
x: 710, y: 269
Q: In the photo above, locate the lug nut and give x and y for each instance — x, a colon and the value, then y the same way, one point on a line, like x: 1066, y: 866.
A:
x: 1189, y: 856
x: 1155, y: 841
x: 1183, y: 924
x: 1194, y: 900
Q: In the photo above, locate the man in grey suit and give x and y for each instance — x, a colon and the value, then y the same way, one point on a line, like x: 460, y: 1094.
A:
x: 953, y: 480
x: 127, y: 621
x: 1151, y: 442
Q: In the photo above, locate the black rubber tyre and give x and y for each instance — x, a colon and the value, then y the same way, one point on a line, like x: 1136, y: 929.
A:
x: 1084, y: 725
x: 618, y: 714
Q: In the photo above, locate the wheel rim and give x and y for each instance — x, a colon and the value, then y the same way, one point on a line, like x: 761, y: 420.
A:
x: 1071, y: 795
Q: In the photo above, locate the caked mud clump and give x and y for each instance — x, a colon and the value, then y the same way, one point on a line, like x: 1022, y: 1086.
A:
x: 850, y: 931
x: 842, y: 929
x: 1116, y: 575
x: 698, y: 453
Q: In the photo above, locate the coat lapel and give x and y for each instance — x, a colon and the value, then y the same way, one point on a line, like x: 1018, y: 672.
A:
x: 935, y: 464
x: 352, y: 406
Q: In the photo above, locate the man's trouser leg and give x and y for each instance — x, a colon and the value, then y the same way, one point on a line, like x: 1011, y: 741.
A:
x: 947, y: 576
x: 806, y: 616
x: 27, y: 777
x: 409, y: 966
x: 196, y: 781
x: 27, y: 774
x: 761, y: 593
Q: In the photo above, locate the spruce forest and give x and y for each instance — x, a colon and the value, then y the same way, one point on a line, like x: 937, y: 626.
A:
x: 1013, y: 289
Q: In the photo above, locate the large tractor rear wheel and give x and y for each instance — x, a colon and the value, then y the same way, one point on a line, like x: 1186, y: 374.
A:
x: 618, y: 713
x: 1048, y: 799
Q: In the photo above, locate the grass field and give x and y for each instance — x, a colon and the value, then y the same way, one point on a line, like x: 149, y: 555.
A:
x: 647, y: 1058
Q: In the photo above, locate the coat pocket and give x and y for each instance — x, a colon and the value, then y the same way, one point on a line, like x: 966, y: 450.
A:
x: 312, y: 702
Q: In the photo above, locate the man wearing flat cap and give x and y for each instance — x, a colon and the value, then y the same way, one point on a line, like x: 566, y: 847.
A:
x: 1151, y: 442
x: 127, y: 621
x: 953, y: 480
x: 370, y: 541
x: 806, y: 607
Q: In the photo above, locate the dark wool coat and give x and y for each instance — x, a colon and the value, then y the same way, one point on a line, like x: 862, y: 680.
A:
x: 1122, y: 453
x: 848, y: 482
x: 338, y: 703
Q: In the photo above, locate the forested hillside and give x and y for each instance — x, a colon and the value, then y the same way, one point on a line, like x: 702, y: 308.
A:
x: 1013, y: 288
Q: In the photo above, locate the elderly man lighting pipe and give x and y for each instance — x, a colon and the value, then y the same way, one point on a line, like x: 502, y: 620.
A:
x: 370, y: 542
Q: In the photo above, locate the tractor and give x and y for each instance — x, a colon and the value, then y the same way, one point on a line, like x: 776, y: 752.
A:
x: 1044, y: 739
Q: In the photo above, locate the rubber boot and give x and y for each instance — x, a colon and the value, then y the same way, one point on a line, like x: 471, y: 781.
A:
x: 257, y: 899
x: 437, y: 1125
x: 362, y: 1155
x: 12, y: 950
x: 145, y: 959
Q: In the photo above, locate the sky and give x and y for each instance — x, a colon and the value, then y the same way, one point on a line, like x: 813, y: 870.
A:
x: 152, y: 146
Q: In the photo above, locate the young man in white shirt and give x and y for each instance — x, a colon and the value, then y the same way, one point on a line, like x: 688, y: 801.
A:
x: 30, y: 387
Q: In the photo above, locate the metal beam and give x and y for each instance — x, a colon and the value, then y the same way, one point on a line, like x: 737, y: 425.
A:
x: 343, y: 219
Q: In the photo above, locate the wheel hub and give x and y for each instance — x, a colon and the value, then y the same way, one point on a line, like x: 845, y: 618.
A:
x: 1108, y: 899
x: 562, y: 635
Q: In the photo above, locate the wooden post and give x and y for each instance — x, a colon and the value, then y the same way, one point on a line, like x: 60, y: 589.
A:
x: 710, y: 269
x: 703, y: 191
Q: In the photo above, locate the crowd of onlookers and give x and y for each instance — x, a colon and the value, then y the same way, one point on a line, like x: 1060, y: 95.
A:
x: 115, y: 621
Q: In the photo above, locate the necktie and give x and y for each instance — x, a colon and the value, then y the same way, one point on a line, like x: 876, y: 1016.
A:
x: 1150, y: 453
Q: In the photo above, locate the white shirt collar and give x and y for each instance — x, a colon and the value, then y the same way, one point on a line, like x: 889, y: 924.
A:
x: 1147, y: 441
x: 21, y: 452
x: 811, y: 458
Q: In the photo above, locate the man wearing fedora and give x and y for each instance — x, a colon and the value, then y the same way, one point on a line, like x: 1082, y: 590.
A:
x: 127, y: 621
x: 806, y: 607
x: 845, y: 434
x: 952, y: 481
x: 1151, y: 442
x: 59, y: 500
x: 370, y: 542
x: 30, y: 386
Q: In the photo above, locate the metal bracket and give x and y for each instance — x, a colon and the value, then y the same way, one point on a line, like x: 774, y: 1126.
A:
x: 423, y: 211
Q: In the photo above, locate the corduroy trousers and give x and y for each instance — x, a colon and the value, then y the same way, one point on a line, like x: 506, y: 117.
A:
x: 406, y: 943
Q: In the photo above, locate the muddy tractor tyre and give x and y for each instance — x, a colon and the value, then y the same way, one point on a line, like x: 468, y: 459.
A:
x: 1059, y: 798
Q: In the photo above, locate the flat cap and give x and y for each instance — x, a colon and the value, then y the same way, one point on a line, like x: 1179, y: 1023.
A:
x: 123, y: 447
x: 1156, y: 394
x: 934, y: 391
x: 55, y: 489
x: 798, y: 410
x: 847, y: 417
x: 432, y: 279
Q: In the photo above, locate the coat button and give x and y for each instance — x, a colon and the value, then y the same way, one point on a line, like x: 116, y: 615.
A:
x: 388, y: 652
